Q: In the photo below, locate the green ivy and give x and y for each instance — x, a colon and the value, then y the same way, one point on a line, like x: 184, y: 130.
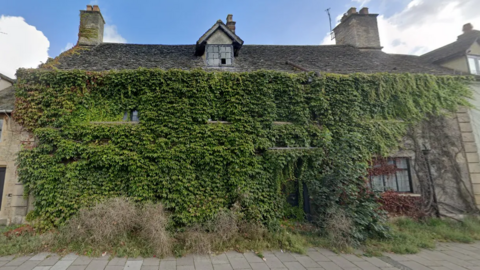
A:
x: 196, y: 168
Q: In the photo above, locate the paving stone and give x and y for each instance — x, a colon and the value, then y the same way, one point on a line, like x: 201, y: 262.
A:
x: 137, y: 259
x: 259, y: 266
x: 366, y: 265
x: 185, y: 261
x: 285, y: 257
x: 201, y: 258
x: 28, y: 265
x: 326, y: 252
x: 168, y: 265
x: 439, y: 268
x: 223, y: 266
x: 117, y: 262
x: 234, y: 255
x: 452, y: 266
x: 185, y: 267
x: 149, y: 267
x: 219, y: 259
x: 423, y: 261
x: 18, y: 261
x: 274, y: 262
x: 2, y: 263
x: 8, y: 268
x: 239, y: 263
x: 342, y: 262
x: 329, y: 266
x: 40, y: 256
x: 307, y: 262
x: 203, y: 265
x: 61, y: 265
x: 99, y: 265
x: 415, y: 265
x: 133, y: 265
x: 252, y: 257
x: 294, y: 266
x: 398, y: 258
x: 114, y: 267
x: 42, y: 268
x: 457, y: 255
x: 7, y: 258
x: 50, y: 261
x: 279, y: 268
x: 377, y: 262
x: 82, y: 260
x: 315, y: 269
x: 151, y: 262
x: 69, y: 257
x: 317, y: 256
x: 353, y: 258
x: 77, y: 267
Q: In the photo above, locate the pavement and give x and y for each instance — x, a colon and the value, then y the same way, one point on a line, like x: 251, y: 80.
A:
x: 447, y: 256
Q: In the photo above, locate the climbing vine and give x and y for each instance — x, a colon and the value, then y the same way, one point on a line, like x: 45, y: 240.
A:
x: 331, y: 126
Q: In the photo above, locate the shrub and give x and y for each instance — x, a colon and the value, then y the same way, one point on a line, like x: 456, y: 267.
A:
x: 339, y: 228
x: 397, y: 205
x: 153, y: 223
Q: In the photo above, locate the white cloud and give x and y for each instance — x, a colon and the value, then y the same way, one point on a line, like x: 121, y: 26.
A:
x: 110, y: 34
x: 67, y: 47
x: 22, y: 45
x: 424, y: 25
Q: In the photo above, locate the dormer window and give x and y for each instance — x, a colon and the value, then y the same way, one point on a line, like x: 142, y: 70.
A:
x: 219, y: 55
x: 131, y: 116
x: 474, y: 64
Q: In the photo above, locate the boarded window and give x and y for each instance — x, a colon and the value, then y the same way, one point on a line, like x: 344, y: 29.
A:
x: 219, y: 55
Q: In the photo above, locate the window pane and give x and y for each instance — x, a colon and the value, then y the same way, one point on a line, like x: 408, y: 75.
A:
x: 403, y: 181
x: 473, y: 66
x: 401, y: 163
x: 390, y: 182
x: 135, y: 116
x: 377, y: 183
x: 125, y: 116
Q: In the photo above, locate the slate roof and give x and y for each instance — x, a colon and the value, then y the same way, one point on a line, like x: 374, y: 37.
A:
x: 454, y: 49
x: 341, y: 59
x: 6, y: 78
x: 7, y: 98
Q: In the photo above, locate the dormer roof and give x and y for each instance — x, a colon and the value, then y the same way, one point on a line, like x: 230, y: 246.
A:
x: 237, y: 42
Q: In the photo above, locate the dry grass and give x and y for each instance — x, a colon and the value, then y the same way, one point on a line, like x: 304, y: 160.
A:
x: 339, y: 228
x: 153, y: 223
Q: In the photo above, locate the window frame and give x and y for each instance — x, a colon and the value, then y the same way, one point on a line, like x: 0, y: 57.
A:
x: 128, y: 116
x: 407, y: 169
x: 207, y: 54
x: 476, y: 60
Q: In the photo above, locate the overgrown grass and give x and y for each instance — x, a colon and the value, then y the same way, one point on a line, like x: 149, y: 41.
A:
x: 123, y: 229
x: 409, y: 236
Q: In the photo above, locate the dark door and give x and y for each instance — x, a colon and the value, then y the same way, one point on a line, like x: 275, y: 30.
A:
x: 2, y: 183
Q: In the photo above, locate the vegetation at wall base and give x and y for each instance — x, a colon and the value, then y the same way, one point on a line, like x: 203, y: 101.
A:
x: 197, y: 169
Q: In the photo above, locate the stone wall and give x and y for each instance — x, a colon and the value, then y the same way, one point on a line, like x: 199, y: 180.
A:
x: 360, y: 30
x: 470, y: 125
x: 14, y: 205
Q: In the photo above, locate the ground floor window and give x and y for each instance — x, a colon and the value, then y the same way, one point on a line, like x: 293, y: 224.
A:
x: 398, y: 177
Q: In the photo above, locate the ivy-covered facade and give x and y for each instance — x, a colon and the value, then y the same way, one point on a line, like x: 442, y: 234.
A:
x: 205, y: 127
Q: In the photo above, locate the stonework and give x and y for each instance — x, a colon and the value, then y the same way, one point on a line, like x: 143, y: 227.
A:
x: 470, y: 135
x: 14, y: 205
x: 359, y: 30
x: 91, y: 28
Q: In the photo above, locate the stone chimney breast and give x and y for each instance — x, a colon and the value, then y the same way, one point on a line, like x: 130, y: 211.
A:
x: 91, y: 28
x: 358, y: 29
x: 230, y: 23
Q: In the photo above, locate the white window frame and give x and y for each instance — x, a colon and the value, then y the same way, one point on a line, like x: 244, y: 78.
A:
x: 209, y: 55
x: 476, y: 60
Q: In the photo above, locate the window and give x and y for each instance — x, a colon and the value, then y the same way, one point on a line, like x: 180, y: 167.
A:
x: 219, y: 55
x: 2, y: 183
x: 474, y: 64
x: 131, y: 116
x: 1, y: 129
x: 399, y: 181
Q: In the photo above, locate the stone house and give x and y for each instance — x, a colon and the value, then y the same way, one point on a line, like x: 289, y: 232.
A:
x: 357, y: 49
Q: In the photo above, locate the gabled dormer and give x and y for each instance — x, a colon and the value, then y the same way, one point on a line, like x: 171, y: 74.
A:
x: 220, y: 45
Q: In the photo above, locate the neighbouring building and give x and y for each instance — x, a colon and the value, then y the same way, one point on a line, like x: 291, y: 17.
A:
x: 220, y: 48
x: 463, y: 57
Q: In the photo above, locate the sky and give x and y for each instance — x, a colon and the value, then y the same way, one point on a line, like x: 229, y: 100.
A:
x: 31, y: 31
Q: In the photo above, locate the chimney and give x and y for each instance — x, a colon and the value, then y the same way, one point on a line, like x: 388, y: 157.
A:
x: 467, y: 28
x: 231, y: 23
x: 358, y: 29
x: 90, y: 32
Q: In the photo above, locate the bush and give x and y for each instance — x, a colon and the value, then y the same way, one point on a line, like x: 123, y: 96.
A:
x: 397, y: 205
x: 339, y: 228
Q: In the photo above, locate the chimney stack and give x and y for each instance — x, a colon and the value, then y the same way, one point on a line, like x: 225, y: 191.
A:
x: 231, y: 23
x: 467, y: 28
x: 358, y: 29
x: 90, y: 32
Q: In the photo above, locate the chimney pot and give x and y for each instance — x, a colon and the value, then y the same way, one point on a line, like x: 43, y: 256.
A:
x: 467, y: 28
x: 230, y: 23
x: 351, y: 11
x: 364, y: 11
x: 96, y: 8
x: 89, y: 8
